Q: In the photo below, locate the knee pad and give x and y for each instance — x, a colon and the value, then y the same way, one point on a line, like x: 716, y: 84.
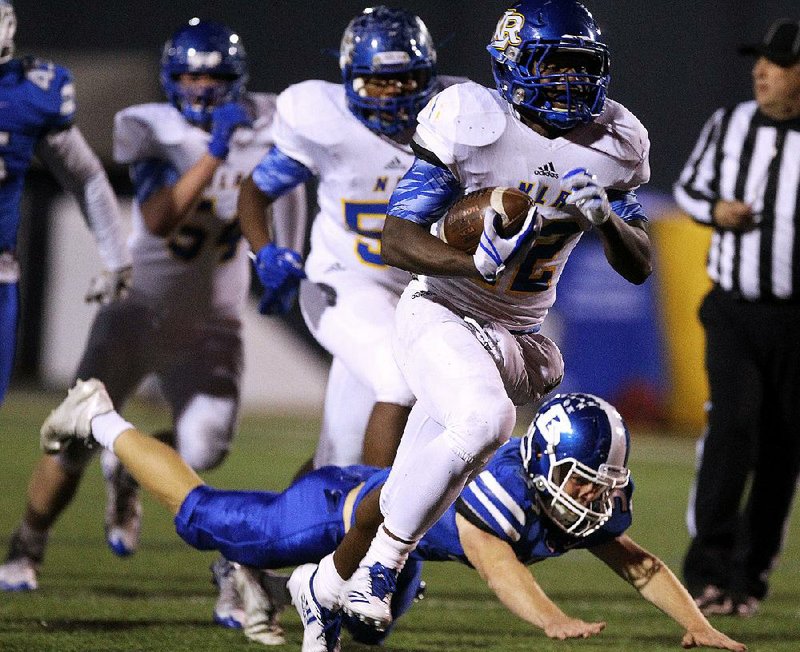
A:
x: 482, y: 428
x: 204, y: 430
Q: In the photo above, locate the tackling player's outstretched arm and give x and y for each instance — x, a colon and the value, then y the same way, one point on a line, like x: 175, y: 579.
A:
x: 658, y: 585
x: 516, y: 587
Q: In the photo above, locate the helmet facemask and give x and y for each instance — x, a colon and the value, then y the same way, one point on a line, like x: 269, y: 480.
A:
x: 387, y: 46
x: 575, y: 453
x: 569, y: 513
x: 549, y: 62
x: 391, y: 113
x: 203, y: 48
x: 8, y: 28
x: 559, y: 85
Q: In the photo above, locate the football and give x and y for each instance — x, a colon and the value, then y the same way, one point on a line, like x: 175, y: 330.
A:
x: 462, y: 226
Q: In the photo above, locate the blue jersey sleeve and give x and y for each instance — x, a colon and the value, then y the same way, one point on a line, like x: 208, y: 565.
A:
x: 152, y: 175
x: 498, y: 500
x: 276, y: 173
x: 424, y: 193
x: 626, y: 205
x: 49, y: 87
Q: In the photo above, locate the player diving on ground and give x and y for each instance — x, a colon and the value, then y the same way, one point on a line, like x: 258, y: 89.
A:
x: 564, y: 485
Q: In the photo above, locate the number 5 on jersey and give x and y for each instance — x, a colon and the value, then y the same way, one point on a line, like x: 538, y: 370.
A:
x: 366, y: 218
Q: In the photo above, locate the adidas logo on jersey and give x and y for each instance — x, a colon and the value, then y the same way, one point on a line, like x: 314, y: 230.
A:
x: 547, y: 170
x: 395, y: 164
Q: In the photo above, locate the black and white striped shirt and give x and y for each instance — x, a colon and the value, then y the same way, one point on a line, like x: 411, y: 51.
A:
x: 742, y: 155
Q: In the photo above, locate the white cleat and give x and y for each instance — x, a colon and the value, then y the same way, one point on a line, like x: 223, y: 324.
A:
x: 19, y: 575
x: 123, y: 518
x: 260, y: 614
x: 228, y: 610
x: 321, y: 626
x: 367, y: 595
x: 72, y: 419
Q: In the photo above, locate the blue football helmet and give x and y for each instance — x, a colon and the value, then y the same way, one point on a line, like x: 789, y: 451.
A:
x: 576, y: 439
x: 549, y: 62
x: 388, y: 44
x: 203, y: 47
x: 8, y: 27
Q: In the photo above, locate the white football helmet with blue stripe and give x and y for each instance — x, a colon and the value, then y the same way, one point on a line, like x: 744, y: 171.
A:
x: 574, y: 440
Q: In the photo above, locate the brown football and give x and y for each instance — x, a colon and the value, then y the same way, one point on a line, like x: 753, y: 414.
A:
x: 463, y: 224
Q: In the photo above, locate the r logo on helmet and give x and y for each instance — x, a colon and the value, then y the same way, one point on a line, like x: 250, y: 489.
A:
x: 508, y: 29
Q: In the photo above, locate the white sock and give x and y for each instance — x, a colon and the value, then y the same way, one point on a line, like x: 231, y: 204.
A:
x: 328, y: 583
x: 388, y: 551
x: 107, y: 427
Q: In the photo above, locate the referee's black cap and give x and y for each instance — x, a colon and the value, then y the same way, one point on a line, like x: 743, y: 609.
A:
x: 781, y: 43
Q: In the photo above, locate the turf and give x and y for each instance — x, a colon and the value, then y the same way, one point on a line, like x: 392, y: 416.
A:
x: 161, y: 598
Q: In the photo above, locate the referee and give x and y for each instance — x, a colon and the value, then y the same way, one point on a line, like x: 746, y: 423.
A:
x: 743, y: 181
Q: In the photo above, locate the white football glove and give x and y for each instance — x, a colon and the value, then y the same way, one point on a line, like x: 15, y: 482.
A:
x: 109, y: 286
x: 494, y: 250
x: 587, y: 195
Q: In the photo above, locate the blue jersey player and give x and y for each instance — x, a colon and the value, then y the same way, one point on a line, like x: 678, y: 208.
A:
x: 564, y: 485
x: 37, y: 109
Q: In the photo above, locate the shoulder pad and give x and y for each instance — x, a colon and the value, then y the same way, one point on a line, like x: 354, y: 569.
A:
x: 263, y: 106
x: 141, y: 130
x: 628, y: 140
x: 51, y: 89
x: 465, y: 114
x: 314, y: 110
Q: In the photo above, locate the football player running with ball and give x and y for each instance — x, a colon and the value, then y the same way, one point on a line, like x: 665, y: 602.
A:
x: 467, y: 327
x: 564, y: 486
x: 354, y: 137
x: 187, y: 157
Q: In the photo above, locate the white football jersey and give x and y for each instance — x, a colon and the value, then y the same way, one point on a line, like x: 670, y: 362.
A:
x: 476, y: 133
x: 357, y: 171
x: 201, y: 269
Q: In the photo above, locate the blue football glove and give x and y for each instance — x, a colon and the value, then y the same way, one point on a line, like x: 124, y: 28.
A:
x: 587, y: 195
x: 224, y: 120
x: 280, y: 270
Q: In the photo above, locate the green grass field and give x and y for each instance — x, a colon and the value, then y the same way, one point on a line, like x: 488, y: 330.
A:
x: 161, y: 598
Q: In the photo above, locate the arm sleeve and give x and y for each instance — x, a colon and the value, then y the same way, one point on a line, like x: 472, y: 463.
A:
x: 151, y: 175
x: 424, y: 193
x: 277, y: 173
x: 68, y: 156
x: 489, y: 503
x: 696, y: 190
x: 626, y: 205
